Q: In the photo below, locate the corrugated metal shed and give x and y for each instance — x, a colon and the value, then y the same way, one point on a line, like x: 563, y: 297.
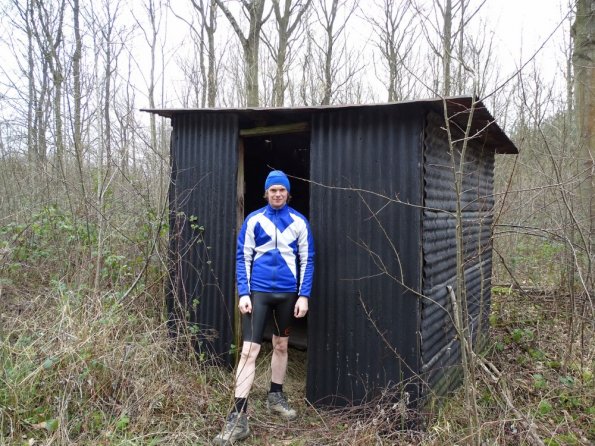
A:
x: 380, y: 196
x: 202, y: 228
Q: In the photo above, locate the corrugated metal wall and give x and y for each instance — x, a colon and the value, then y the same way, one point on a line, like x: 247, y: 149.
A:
x: 440, y: 350
x: 204, y: 153
x: 362, y: 328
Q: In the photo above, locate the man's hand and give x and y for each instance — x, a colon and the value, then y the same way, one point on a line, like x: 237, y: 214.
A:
x: 301, y: 307
x: 245, y: 305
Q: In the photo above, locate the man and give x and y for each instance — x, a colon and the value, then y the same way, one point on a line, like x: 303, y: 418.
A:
x: 274, y: 270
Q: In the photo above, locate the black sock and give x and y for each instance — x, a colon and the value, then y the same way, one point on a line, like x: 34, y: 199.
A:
x: 276, y: 387
x: 241, y: 404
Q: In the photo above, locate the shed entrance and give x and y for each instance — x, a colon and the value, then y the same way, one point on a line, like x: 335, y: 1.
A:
x: 285, y: 148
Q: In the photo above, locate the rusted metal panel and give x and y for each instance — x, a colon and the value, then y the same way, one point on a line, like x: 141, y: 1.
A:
x: 204, y: 151
x: 440, y: 349
x: 365, y: 215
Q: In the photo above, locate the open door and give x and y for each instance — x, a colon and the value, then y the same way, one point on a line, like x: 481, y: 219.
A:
x: 285, y: 148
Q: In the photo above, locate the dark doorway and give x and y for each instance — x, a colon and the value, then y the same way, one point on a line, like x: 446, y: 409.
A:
x: 289, y: 152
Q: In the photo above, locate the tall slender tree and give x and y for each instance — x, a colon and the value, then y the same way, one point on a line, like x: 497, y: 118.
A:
x: 48, y: 31
x: 207, y: 9
x: 394, y: 31
x: 77, y: 95
x: 286, y: 36
x: 333, y: 57
x: 254, y: 10
x: 203, y: 81
x: 584, y: 84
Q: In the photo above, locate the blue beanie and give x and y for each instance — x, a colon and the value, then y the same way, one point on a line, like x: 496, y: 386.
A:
x: 277, y: 177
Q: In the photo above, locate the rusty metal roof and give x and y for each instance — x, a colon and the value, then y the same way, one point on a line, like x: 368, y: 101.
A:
x: 458, y: 109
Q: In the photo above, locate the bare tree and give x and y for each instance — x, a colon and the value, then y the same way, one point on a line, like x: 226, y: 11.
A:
x: 126, y: 123
x: 446, y: 13
x: 583, y: 61
x: 108, y: 40
x: 35, y: 72
x: 202, y: 79
x: 208, y: 13
x: 333, y: 55
x: 48, y: 32
x: 254, y: 11
x: 286, y: 37
x: 327, y: 17
x: 306, y: 82
x: 26, y: 15
x: 394, y: 30
x: 192, y: 93
x: 477, y: 70
x: 150, y: 36
x: 77, y: 95
x: 439, y: 22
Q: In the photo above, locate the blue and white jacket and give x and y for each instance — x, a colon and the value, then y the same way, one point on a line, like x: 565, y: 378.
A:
x: 275, y: 253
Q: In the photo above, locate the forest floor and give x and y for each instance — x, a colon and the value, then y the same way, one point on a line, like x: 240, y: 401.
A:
x: 78, y: 368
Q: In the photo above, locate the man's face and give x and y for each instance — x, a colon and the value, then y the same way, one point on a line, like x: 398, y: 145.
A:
x: 277, y: 196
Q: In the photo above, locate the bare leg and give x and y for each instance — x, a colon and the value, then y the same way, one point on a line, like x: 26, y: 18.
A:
x: 279, y: 359
x: 246, y: 368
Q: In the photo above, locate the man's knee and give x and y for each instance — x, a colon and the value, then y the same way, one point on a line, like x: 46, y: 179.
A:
x: 250, y: 351
x: 280, y: 345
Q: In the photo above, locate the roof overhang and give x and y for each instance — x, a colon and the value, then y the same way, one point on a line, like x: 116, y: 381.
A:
x: 469, y: 116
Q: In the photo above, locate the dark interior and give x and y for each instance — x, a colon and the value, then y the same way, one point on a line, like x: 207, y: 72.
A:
x: 289, y: 152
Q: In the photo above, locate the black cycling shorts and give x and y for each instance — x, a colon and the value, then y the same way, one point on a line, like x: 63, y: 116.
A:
x: 279, y: 305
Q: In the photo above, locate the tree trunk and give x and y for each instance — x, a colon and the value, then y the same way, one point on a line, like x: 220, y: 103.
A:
x: 446, y: 48
x: 328, y: 55
x: 49, y: 38
x: 285, y: 31
x: 282, y: 27
x: 212, y: 74
x: 40, y: 122
x: 107, y: 104
x: 584, y: 83
x: 152, y: 45
x: 395, y: 42
x: 207, y: 11
x: 250, y: 44
x: 32, y: 149
x: 460, y: 87
x: 77, y: 93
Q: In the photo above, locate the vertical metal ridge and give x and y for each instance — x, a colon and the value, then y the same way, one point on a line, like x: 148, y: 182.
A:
x: 358, y: 157
x: 440, y: 349
x: 203, y: 197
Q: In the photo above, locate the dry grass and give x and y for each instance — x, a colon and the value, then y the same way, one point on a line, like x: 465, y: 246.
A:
x: 81, y: 367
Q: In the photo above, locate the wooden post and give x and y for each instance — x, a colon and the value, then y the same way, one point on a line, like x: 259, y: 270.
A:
x: 240, y: 190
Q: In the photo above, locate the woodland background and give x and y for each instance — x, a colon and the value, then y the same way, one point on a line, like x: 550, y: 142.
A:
x: 85, y: 352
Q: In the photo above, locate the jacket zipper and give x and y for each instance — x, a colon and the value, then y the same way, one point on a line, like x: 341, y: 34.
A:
x: 276, y: 258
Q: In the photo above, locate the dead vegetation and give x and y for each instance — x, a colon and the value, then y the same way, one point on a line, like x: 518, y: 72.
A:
x: 82, y: 368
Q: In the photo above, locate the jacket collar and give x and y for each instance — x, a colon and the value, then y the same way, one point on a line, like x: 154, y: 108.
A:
x: 272, y: 210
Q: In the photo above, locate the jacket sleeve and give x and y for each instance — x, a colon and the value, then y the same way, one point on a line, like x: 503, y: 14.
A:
x: 244, y: 256
x: 306, y: 253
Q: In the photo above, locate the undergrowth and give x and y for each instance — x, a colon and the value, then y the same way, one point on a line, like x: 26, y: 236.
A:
x: 83, y: 366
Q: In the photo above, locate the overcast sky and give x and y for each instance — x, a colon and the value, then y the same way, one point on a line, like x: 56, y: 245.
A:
x: 525, y: 25
x: 519, y: 28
